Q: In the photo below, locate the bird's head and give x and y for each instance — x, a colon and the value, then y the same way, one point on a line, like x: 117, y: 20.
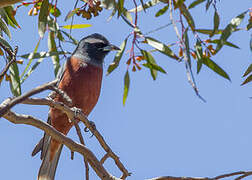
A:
x: 93, y: 48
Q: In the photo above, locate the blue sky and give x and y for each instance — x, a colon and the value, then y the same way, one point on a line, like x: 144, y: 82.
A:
x: 164, y: 129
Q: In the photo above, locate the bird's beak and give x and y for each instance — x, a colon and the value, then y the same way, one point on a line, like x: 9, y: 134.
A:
x: 111, y: 47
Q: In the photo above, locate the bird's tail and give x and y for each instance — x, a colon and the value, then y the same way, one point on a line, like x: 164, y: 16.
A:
x: 49, y: 164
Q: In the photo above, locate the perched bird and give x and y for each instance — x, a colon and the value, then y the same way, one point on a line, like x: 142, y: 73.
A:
x: 81, y: 80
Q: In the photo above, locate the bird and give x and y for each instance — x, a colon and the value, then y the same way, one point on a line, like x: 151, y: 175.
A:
x: 80, y: 79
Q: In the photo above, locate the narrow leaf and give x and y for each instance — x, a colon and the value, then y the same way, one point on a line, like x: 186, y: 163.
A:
x: 145, y: 6
x: 150, y: 62
x: 249, y: 26
x: 15, y: 80
x: 126, y: 86
x: 117, y: 58
x: 231, y: 27
x: 74, y: 41
x: 247, y: 80
x: 187, y: 15
x: 210, y: 31
x: 187, y: 46
x: 77, y: 26
x: 216, y: 23
x: 31, y: 70
x: 52, y: 48
x: 43, y: 54
x: 71, y: 13
x: 44, y: 11
x: 162, y: 11
x: 30, y: 59
x: 120, y: 7
x: 249, y: 70
x: 5, y: 28
x: 209, y: 2
x: 161, y: 47
x: 199, y: 55
x: 212, y: 65
x: 227, y: 43
x: 10, y: 19
x: 195, y: 3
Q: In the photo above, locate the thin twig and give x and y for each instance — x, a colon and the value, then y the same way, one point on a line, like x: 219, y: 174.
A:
x: 189, y: 73
x: 29, y: 120
x: 71, y: 113
x: 19, y: 99
x: 78, y: 130
x: 104, y: 158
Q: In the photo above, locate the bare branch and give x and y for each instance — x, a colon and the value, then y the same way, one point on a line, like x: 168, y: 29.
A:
x: 71, y: 114
x: 73, y: 146
x: 4, y: 3
x: 78, y: 130
x: 19, y: 99
x: 242, y: 174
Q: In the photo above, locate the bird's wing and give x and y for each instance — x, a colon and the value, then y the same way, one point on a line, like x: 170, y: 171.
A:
x: 44, y: 141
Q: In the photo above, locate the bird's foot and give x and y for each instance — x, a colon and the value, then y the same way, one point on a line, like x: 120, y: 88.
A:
x: 92, y: 124
x: 76, y: 112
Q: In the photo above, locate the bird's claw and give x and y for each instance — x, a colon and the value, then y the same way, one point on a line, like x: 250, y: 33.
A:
x: 92, y: 124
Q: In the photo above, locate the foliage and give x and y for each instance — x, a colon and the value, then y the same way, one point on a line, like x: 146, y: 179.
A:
x: 196, y: 46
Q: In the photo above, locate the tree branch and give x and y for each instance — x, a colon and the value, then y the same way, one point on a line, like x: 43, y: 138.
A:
x: 4, y: 3
x: 19, y: 99
x: 71, y: 113
x: 73, y: 146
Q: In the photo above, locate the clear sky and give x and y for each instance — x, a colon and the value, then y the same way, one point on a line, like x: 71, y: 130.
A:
x: 164, y: 129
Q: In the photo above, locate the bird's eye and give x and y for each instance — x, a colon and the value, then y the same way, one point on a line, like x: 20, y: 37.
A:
x: 100, y: 45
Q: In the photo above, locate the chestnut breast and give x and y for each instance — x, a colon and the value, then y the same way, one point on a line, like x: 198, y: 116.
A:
x: 82, y: 83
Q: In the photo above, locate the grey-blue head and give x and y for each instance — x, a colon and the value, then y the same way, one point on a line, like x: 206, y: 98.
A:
x: 93, y: 48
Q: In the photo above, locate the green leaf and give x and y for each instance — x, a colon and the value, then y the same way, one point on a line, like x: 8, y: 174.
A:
x: 126, y: 87
x: 15, y: 80
x: 216, y: 41
x: 195, y: 3
x: 30, y: 59
x: 52, y: 48
x: 74, y: 41
x: 120, y: 7
x: 117, y: 58
x: 71, y: 13
x: 161, y: 47
x: 249, y: 26
x: 44, y: 11
x: 187, y: 15
x: 247, y: 80
x: 5, y: 28
x: 230, y: 28
x: 151, y: 64
x: 155, y: 67
x: 216, y: 23
x: 212, y: 65
x: 10, y: 19
x: 210, y: 31
x: 199, y: 55
x: 5, y: 43
x: 249, y: 70
x: 209, y: 2
x: 55, y: 11
x: 77, y: 26
x: 162, y: 11
x: 145, y: 6
x: 127, y: 15
x: 31, y: 70
x: 187, y: 46
x: 142, y: 3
